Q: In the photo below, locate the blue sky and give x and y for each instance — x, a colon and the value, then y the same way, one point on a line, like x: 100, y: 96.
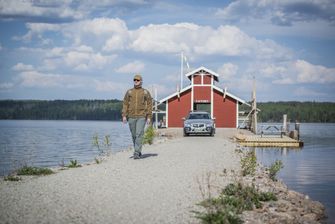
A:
x: 86, y: 49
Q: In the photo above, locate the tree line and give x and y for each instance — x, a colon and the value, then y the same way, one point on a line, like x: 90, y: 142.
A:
x: 111, y: 110
x: 61, y: 109
x: 318, y: 112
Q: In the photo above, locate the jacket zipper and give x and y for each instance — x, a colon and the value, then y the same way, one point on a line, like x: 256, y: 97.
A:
x: 136, y: 103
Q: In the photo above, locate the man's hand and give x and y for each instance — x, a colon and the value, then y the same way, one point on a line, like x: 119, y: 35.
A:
x: 124, y: 119
x: 148, y: 121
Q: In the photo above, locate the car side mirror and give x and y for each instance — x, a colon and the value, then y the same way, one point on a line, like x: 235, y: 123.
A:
x: 183, y: 118
x: 214, y: 118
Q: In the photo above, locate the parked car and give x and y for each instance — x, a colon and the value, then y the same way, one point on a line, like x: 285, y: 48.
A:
x: 199, y: 122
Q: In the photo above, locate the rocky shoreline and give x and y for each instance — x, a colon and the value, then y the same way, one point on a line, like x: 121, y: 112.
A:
x: 291, y: 206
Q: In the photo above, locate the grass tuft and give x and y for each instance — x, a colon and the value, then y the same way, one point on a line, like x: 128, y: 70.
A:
x: 73, y: 164
x: 34, y: 171
x: 12, y: 178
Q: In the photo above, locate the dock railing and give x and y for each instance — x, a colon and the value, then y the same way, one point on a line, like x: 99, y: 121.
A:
x: 273, y: 130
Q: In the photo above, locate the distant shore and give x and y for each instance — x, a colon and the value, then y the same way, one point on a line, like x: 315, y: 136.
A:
x: 163, y: 187
x: 86, y: 109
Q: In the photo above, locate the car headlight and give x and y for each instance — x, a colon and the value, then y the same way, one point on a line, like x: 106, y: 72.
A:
x: 209, y: 125
x: 187, y: 125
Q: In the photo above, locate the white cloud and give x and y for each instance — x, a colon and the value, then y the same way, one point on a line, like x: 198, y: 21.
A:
x: 165, y: 38
x: 84, y: 60
x: 49, y: 80
x: 271, y: 70
x: 298, y: 71
x: 283, y: 13
x: 5, y: 86
x: 108, y: 86
x: 202, y: 40
x: 22, y: 67
x: 42, y: 9
x: 309, y: 73
x: 36, y: 29
x: 303, y: 91
x: 81, y: 58
x: 227, y: 70
x: 112, y: 34
x: 100, y: 26
x: 132, y: 67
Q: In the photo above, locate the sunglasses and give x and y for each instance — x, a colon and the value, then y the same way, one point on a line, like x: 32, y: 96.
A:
x: 136, y: 80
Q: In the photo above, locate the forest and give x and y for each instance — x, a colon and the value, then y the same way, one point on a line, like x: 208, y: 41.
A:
x: 61, y: 109
x: 317, y: 112
x: 323, y: 112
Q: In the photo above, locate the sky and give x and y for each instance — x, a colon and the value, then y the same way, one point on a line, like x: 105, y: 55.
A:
x: 71, y: 49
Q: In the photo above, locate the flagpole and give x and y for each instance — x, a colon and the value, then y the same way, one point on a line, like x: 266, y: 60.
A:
x: 181, y: 70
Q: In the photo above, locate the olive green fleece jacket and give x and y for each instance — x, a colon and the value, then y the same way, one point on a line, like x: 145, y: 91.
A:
x: 137, y: 103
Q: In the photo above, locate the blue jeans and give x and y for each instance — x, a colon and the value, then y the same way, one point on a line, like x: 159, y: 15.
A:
x: 136, y: 126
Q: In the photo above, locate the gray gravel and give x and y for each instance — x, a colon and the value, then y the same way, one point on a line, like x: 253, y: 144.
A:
x: 161, y: 188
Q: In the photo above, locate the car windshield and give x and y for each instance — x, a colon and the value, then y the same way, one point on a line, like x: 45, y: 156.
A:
x: 198, y: 116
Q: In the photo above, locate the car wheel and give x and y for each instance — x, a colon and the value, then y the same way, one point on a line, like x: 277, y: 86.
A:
x: 212, y: 133
x: 185, y: 134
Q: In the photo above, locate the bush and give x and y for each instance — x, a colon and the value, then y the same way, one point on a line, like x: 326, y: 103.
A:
x: 274, y: 169
x: 249, y: 163
x: 149, y: 135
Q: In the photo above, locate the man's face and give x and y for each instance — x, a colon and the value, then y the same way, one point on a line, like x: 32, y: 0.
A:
x: 137, y: 82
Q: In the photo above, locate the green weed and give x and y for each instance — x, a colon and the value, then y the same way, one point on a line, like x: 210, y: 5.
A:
x: 233, y: 200
x: 149, y: 135
x: 103, y: 148
x: 73, y: 164
x: 12, y: 178
x: 30, y: 170
x: 274, y: 169
x: 249, y: 163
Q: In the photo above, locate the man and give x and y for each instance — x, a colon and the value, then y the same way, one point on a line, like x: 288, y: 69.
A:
x: 137, y: 108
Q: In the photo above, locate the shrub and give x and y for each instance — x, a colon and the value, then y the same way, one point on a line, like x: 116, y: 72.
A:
x: 149, y: 135
x: 249, y: 163
x: 274, y: 169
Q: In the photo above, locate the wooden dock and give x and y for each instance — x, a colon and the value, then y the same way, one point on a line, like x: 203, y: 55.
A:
x: 267, y: 141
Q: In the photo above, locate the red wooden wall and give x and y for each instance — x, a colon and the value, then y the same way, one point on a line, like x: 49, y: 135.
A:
x: 202, y: 93
x: 177, y: 109
x: 224, y: 111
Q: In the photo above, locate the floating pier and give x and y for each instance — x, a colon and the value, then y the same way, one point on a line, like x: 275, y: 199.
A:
x: 268, y: 141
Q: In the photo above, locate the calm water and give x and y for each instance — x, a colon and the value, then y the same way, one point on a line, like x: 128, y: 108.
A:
x: 49, y: 143
x: 310, y: 170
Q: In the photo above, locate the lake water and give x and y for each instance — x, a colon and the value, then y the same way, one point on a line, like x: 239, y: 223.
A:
x: 51, y: 143
x: 310, y: 170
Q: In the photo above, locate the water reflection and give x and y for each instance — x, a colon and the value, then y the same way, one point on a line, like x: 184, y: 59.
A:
x: 309, y: 170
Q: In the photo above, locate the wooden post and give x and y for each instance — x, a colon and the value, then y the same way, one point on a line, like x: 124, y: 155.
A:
x: 285, y: 123
x: 254, y: 109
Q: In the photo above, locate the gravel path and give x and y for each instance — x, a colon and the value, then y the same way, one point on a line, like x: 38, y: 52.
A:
x: 161, y: 188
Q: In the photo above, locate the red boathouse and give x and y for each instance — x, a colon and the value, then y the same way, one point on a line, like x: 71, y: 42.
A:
x: 202, y: 94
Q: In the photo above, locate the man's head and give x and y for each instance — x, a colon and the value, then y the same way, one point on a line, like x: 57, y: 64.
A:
x: 138, y: 80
